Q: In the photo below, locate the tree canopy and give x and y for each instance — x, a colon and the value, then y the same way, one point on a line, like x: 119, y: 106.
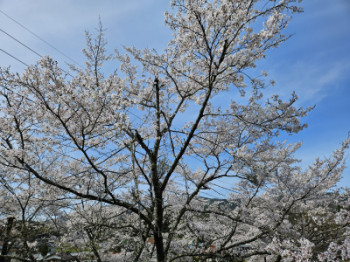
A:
x: 124, y: 160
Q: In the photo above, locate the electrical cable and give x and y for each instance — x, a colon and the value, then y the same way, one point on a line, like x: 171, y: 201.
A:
x: 19, y: 60
x: 18, y: 41
x: 40, y: 38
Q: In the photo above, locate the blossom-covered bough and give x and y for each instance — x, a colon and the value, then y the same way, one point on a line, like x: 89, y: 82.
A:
x: 145, y: 144
x: 22, y: 212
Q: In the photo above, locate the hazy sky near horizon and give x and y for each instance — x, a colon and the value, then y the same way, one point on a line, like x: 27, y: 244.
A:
x: 314, y: 62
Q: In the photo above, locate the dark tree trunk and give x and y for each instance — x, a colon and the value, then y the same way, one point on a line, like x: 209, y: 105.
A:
x: 158, y: 213
x: 92, y: 244
x: 5, y: 247
x: 279, y: 258
x: 158, y: 236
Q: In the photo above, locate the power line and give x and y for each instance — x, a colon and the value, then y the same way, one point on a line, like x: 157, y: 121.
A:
x: 40, y: 38
x: 18, y: 41
x: 19, y: 60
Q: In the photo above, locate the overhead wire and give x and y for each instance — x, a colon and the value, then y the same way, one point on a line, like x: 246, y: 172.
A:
x: 26, y: 46
x: 20, y: 42
x: 29, y: 48
x: 19, y: 60
x: 16, y: 58
x: 40, y: 38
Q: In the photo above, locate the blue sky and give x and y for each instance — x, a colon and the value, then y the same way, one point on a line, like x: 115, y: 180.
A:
x: 315, y: 62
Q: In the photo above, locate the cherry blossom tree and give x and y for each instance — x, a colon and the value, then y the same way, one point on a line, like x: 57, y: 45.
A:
x: 150, y: 140
x: 317, y: 231
x: 22, y: 213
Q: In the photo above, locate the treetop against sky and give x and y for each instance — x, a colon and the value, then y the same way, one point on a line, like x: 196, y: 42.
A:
x: 314, y: 61
x: 146, y: 133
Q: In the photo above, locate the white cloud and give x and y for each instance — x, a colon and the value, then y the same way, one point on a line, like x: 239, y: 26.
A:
x: 312, y: 81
